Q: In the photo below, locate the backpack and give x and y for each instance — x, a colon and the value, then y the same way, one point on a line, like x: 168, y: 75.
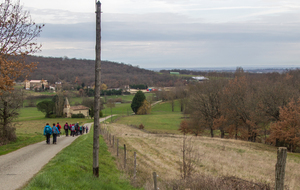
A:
x: 80, y: 128
x: 73, y: 128
x: 54, y: 130
x: 66, y: 126
x: 58, y: 127
x: 48, y: 130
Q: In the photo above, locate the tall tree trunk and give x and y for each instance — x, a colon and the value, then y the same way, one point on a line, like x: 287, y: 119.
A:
x: 5, y: 119
x: 222, y: 133
x: 236, y: 131
x: 181, y: 105
x: 172, y: 105
x: 211, y: 132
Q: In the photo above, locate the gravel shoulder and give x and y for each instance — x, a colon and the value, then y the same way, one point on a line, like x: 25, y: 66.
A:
x: 18, y: 167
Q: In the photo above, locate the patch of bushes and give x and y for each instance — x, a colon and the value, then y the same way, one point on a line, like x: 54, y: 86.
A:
x: 52, y: 116
x: 80, y: 115
x: 141, y: 126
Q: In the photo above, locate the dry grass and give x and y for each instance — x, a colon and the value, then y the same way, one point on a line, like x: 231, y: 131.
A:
x: 217, y: 157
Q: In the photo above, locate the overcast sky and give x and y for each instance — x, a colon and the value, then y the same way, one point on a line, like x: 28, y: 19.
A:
x: 173, y: 33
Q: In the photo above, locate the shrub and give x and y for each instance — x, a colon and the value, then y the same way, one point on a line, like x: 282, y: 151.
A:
x: 141, y: 126
x: 100, y: 114
x: 52, y: 116
x: 137, y: 101
x: 80, y: 115
x: 144, y: 109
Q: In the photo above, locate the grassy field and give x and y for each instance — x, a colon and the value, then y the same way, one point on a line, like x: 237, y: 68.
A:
x: 72, y: 169
x: 161, y: 119
x: 30, y: 113
x: 211, y: 156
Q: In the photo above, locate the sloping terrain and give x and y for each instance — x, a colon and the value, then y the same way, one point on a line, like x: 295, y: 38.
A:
x: 113, y: 74
x: 212, y: 156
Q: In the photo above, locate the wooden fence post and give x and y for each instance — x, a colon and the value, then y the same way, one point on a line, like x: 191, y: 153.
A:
x: 124, y: 156
x: 155, y: 180
x: 280, y: 168
x: 109, y: 139
x: 117, y: 147
x: 134, y: 171
x: 113, y: 144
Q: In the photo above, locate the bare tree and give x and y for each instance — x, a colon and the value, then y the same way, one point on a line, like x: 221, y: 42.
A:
x: 17, y: 39
x: 111, y: 104
x: 181, y: 95
x: 59, y: 101
x: 205, y: 104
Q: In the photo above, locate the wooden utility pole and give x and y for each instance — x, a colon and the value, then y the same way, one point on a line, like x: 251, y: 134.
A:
x: 97, y: 92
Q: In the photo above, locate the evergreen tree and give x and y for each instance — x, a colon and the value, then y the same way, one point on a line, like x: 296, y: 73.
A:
x: 137, y: 101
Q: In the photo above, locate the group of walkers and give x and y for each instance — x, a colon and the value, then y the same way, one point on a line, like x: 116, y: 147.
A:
x: 74, y: 129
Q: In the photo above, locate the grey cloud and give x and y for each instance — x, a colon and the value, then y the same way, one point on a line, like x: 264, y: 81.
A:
x: 120, y: 31
x: 144, y: 42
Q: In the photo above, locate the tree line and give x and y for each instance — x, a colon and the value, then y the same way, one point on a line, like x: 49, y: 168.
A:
x: 257, y: 108
x: 75, y: 72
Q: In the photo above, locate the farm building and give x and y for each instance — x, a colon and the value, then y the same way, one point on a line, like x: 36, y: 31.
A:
x: 69, y: 110
x: 34, y: 83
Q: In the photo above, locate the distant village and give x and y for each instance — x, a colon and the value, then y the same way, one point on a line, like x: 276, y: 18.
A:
x: 40, y: 85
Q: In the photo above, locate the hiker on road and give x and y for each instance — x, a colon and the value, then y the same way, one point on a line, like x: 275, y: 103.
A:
x: 47, y: 132
x: 80, y: 130
x: 66, y: 127
x: 72, y: 130
x: 87, y: 129
x: 55, y: 132
x: 77, y: 128
x: 58, y: 127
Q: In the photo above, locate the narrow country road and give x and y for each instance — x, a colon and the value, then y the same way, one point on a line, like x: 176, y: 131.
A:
x: 18, y: 167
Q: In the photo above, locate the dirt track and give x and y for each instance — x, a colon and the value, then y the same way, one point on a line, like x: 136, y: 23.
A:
x: 18, y: 167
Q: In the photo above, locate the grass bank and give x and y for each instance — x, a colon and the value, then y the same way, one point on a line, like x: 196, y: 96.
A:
x: 31, y: 131
x: 72, y: 168
x: 161, y: 119
x: 214, y: 157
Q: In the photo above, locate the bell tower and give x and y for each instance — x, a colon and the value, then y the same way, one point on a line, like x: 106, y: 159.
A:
x: 67, y: 109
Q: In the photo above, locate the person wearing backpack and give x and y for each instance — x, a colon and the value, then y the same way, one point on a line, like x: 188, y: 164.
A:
x: 87, y: 129
x: 58, y: 127
x: 47, y: 132
x: 66, y: 127
x: 80, y: 130
x: 77, y: 128
x: 55, y: 132
x: 72, y: 130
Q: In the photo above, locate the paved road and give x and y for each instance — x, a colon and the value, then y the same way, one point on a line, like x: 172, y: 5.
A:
x: 18, y: 167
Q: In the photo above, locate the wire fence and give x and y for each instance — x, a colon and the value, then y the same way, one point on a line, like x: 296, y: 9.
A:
x: 128, y: 161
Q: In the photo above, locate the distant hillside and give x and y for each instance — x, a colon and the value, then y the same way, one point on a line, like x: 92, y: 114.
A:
x: 114, y: 74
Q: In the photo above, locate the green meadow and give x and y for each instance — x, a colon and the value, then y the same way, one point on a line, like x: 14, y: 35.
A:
x: 72, y: 168
x: 161, y: 119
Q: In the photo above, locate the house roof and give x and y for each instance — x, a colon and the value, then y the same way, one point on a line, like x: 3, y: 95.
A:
x: 80, y: 107
x: 200, y: 78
